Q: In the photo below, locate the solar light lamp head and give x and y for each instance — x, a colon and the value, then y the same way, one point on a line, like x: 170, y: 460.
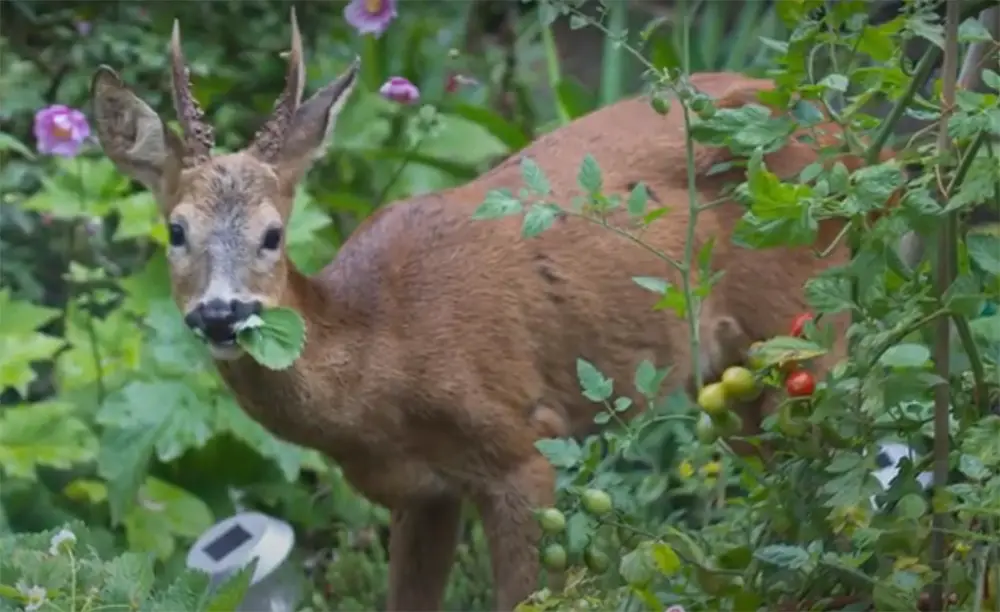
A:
x: 231, y: 544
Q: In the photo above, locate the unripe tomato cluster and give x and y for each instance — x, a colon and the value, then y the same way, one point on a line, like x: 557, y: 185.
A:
x: 596, y: 503
x: 741, y: 384
x: 715, y: 399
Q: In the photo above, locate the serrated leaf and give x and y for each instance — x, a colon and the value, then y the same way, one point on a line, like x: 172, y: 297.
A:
x: 498, y: 203
x: 539, y: 218
x: 229, y: 595
x: 905, y: 356
x: 278, y: 342
x: 638, y: 198
x: 596, y: 387
x: 43, y: 434
x: 128, y: 578
x: 648, y: 379
x: 589, y: 177
x: 534, y: 177
x: 169, y: 406
x: 560, y: 452
x: 123, y: 462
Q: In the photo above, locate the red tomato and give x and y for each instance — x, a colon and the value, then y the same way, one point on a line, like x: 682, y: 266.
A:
x: 799, y: 323
x: 800, y: 384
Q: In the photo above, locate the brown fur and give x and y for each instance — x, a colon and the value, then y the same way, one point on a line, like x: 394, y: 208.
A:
x: 441, y: 348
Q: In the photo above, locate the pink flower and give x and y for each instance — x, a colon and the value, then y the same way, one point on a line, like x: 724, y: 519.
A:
x: 60, y: 130
x: 399, y: 89
x: 370, y: 16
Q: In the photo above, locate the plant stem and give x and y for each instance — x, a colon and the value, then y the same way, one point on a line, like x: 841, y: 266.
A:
x: 920, y: 75
x: 944, y: 276
x: 612, y: 64
x: 692, y: 305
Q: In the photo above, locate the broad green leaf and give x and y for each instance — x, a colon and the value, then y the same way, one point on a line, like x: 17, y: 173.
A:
x: 905, y: 356
x: 539, y: 218
x: 589, y: 176
x: 44, y: 434
x: 162, y: 512
x: 86, y: 490
x: 666, y: 559
x: 984, y: 249
x: 123, y: 463
x: 562, y: 453
x: 279, y: 339
x: 534, y: 177
x: 596, y: 387
x: 19, y: 316
x: 182, y: 419
x: 785, y: 557
x: 829, y: 295
x: 638, y: 567
x: 498, y: 203
x: 637, y: 200
x: 648, y: 379
x: 783, y: 349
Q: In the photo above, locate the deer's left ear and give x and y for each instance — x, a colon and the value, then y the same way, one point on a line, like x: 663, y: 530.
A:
x: 311, y: 128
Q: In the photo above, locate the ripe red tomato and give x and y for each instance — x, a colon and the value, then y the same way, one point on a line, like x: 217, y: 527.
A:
x: 800, y: 383
x: 799, y: 323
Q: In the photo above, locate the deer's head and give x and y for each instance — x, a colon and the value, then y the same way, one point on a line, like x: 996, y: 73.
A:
x: 227, y: 214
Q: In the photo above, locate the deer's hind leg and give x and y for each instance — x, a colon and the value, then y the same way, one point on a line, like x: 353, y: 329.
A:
x: 422, y: 541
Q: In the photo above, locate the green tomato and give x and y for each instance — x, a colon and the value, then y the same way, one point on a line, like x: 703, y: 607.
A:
x: 705, y: 430
x: 660, y: 103
x: 597, y: 561
x: 554, y: 557
x: 728, y: 423
x: 552, y: 521
x: 739, y: 383
x: 596, y: 502
x: 712, y: 399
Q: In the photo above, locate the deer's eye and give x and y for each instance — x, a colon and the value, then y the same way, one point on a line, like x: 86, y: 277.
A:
x: 177, y: 237
x: 272, y: 239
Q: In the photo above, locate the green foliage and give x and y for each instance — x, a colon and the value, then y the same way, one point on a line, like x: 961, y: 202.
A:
x: 274, y: 339
x: 113, y: 420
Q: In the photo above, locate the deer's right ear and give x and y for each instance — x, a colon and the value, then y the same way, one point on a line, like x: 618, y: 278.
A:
x: 132, y: 135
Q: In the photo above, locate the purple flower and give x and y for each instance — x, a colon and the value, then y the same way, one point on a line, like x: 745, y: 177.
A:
x: 60, y: 130
x: 370, y: 16
x: 83, y: 27
x: 399, y: 89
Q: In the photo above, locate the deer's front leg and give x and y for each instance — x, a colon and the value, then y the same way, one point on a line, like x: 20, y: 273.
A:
x: 506, y: 509
x: 422, y: 541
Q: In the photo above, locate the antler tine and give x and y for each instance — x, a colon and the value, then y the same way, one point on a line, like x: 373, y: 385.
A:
x: 269, y: 138
x: 199, y: 137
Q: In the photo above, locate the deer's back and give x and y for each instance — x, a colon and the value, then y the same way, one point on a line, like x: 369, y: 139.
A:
x: 482, y: 328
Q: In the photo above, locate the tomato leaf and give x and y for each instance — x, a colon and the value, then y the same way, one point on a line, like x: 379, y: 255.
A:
x: 275, y: 339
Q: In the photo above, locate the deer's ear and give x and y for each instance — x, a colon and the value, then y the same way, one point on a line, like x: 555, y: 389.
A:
x: 132, y: 135
x: 311, y: 128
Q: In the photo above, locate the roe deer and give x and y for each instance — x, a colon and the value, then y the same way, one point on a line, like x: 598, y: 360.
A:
x: 440, y: 348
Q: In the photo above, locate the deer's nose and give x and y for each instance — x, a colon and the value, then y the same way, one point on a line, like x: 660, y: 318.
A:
x: 216, y: 318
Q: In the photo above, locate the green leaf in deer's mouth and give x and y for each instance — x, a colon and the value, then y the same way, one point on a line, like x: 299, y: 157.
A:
x: 274, y: 339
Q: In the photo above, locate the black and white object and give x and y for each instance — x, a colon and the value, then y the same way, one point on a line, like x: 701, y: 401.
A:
x: 889, y: 457
x: 231, y: 544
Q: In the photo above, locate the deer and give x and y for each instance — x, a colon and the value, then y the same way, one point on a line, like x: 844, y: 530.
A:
x: 440, y: 347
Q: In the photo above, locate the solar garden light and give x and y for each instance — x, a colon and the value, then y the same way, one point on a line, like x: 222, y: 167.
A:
x: 889, y: 457
x: 231, y: 544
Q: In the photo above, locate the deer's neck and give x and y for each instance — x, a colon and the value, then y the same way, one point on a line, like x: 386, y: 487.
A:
x: 300, y: 404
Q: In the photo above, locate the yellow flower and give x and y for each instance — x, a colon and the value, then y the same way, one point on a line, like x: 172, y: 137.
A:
x: 685, y: 470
